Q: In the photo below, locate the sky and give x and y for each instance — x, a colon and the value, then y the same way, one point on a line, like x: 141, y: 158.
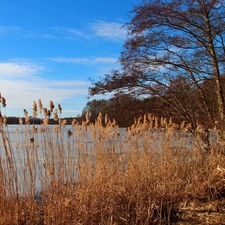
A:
x: 50, y: 48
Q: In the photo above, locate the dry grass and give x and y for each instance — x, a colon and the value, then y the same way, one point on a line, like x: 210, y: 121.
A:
x: 89, y: 174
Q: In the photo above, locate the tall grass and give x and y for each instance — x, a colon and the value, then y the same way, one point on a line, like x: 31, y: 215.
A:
x: 94, y: 174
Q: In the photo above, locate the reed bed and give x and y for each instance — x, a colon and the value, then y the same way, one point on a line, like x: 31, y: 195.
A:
x: 94, y: 174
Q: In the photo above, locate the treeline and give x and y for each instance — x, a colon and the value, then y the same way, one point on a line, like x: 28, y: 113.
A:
x: 121, y: 107
x: 15, y: 120
x: 182, y: 102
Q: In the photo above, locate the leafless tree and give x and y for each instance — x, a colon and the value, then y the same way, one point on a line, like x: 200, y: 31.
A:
x: 170, y: 39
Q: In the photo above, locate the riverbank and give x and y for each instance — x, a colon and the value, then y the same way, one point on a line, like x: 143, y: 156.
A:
x: 205, y: 212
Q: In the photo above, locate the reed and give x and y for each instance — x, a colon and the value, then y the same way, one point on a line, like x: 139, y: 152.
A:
x: 94, y: 174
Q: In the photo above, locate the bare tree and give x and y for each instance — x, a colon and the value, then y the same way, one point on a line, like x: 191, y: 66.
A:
x: 170, y: 39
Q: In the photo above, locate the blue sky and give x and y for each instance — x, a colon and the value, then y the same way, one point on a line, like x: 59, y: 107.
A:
x: 49, y: 49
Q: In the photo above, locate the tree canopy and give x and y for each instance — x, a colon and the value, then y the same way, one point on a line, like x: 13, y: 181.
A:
x: 176, y: 50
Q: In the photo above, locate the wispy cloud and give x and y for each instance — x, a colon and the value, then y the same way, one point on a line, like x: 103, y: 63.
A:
x: 71, y: 33
x: 9, y: 30
x: 19, y: 32
x: 86, y: 60
x: 40, y: 35
x: 112, y: 31
x: 69, y: 83
x: 109, y: 30
x: 19, y: 70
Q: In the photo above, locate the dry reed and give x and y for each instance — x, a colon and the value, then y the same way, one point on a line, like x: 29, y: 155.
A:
x: 94, y: 174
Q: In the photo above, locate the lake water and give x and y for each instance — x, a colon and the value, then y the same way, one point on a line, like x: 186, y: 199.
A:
x: 22, y: 149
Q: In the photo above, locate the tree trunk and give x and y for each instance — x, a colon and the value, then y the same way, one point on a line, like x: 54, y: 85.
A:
x: 219, y: 89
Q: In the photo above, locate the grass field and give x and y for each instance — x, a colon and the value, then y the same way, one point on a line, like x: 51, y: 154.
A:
x: 151, y: 175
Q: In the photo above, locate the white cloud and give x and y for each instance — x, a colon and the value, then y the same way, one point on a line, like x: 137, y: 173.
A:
x: 113, y: 31
x: 68, y: 83
x: 71, y: 60
x: 25, y: 33
x: 96, y: 60
x: 9, y: 30
x: 18, y: 70
x: 73, y: 111
x: 105, y: 60
x: 20, y: 93
x: 110, y: 30
x: 71, y: 33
